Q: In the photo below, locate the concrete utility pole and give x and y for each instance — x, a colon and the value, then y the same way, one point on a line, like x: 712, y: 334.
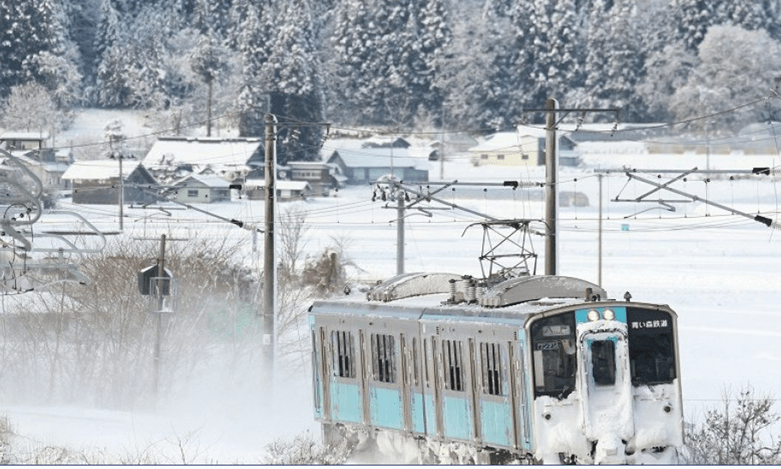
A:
x: 268, y: 255
x: 550, y: 187
x: 551, y: 218
x: 399, y: 231
x: 160, y: 285
x: 121, y: 194
x: 599, y: 273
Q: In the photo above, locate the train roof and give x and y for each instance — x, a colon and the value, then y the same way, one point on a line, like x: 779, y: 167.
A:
x: 435, y: 307
x: 436, y: 295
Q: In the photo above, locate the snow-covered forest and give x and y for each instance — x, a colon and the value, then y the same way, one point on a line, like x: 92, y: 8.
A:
x: 469, y: 65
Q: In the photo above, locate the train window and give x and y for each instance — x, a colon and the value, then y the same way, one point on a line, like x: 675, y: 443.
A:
x: 553, y: 353
x: 415, y: 372
x: 383, y: 358
x: 491, y: 360
x: 603, y: 362
x: 425, y: 363
x: 452, y: 352
x: 651, y: 346
x: 343, y: 347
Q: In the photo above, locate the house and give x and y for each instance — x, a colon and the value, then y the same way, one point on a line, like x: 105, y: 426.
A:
x: 172, y: 158
x: 20, y: 141
x: 322, y: 177
x: 385, y: 142
x: 366, y: 165
x: 255, y: 189
x: 47, y: 164
x: 200, y: 188
x: 507, y: 149
x: 98, y: 182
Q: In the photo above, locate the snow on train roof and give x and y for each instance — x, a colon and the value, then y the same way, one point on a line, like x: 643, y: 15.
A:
x: 420, y: 295
x: 436, y: 305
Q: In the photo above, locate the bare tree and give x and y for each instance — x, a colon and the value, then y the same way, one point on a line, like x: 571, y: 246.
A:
x: 736, y: 433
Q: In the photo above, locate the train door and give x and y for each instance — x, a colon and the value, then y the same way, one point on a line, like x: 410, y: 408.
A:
x: 457, y: 405
x: 344, y: 392
x: 607, y: 400
x: 433, y: 384
x: 412, y: 385
x: 520, y: 396
x: 319, y: 372
x: 386, y: 377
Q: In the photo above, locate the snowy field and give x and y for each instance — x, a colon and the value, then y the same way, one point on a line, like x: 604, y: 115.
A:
x: 718, y: 271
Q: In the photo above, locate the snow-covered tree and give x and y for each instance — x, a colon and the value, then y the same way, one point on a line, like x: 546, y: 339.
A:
x: 736, y: 68
x: 547, y: 30
x: 349, y: 64
x: 292, y: 77
x: 29, y: 29
x: 478, y: 87
x: 208, y: 62
x: 435, y: 34
x: 693, y: 18
x: 665, y: 71
x: 614, y: 64
x: 31, y: 108
x: 251, y: 40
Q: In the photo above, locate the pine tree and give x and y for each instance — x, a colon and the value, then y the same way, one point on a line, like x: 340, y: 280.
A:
x: 434, y: 37
x: 479, y: 87
x: 251, y: 40
x: 350, y: 62
x: 28, y: 29
x: 693, y: 18
x: 292, y: 75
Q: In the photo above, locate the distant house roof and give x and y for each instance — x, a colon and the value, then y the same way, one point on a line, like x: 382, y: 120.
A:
x: 208, y: 180
x: 100, y: 169
x: 501, y: 141
x: 378, y: 158
x: 281, y: 185
x: 385, y: 142
x: 174, y: 151
x: 26, y: 136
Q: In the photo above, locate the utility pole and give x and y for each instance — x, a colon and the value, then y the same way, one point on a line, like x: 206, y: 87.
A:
x: 599, y: 273
x: 121, y: 197
x: 399, y: 231
x: 551, y: 219
x: 550, y: 187
x: 268, y: 255
x: 160, y: 286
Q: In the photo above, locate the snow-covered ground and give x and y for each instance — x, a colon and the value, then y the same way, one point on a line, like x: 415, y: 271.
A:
x: 718, y: 271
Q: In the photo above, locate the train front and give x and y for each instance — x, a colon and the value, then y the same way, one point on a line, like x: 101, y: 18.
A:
x: 606, y: 385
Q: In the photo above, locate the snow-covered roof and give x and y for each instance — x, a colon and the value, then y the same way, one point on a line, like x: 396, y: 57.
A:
x: 281, y: 184
x: 171, y: 151
x: 378, y: 158
x: 501, y: 141
x: 208, y: 180
x: 31, y: 136
x: 100, y: 169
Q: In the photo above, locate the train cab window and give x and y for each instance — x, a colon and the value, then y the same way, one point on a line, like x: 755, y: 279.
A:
x: 491, y: 360
x: 452, y: 358
x: 651, y: 346
x: 603, y: 362
x: 553, y: 353
x: 343, y: 347
x: 383, y: 358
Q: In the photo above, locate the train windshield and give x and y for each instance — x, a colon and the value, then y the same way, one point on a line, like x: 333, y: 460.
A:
x: 553, y: 350
x: 651, y: 346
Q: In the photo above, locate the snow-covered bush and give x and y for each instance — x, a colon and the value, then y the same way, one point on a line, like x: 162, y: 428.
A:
x: 304, y: 450
x: 739, y: 432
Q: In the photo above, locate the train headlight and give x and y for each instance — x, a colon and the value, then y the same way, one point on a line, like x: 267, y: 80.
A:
x: 609, y: 314
x: 593, y: 315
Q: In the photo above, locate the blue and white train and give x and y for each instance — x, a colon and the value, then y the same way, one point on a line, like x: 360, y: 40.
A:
x: 535, y: 369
